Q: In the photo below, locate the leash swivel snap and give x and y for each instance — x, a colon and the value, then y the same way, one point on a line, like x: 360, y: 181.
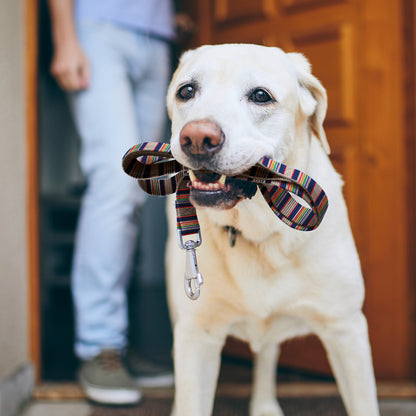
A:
x: 193, y: 279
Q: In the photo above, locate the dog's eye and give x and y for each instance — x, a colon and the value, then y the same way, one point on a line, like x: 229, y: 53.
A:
x: 186, y: 92
x: 260, y: 96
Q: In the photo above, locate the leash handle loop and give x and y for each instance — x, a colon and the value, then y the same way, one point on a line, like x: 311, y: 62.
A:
x: 277, y: 195
x: 152, y: 164
x: 158, y: 173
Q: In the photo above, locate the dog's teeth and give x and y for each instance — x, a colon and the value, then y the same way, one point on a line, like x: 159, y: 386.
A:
x: 211, y: 186
x: 192, y: 175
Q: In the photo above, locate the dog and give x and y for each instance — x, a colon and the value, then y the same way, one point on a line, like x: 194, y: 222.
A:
x: 230, y: 105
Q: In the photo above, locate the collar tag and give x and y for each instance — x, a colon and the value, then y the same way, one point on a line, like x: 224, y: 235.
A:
x: 232, y: 235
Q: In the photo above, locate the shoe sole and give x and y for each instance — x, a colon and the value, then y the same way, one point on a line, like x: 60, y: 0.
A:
x: 111, y: 396
x: 152, y: 381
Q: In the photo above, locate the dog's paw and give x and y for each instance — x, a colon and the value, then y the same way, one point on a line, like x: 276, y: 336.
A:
x: 265, y: 408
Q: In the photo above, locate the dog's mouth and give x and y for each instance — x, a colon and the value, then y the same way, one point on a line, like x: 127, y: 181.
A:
x: 210, y: 189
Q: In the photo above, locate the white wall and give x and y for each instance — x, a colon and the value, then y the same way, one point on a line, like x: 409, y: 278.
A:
x: 13, y: 256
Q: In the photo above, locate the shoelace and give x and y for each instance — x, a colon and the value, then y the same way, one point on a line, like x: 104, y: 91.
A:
x: 158, y: 173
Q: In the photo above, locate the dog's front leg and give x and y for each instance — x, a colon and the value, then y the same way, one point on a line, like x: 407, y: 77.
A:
x: 348, y: 348
x: 263, y: 398
x: 197, y: 356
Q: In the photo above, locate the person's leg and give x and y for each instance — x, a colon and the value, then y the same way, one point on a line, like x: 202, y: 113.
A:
x: 150, y: 83
x: 107, y: 229
x: 149, y: 64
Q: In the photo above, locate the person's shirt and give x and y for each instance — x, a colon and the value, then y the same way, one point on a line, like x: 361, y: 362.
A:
x: 153, y: 17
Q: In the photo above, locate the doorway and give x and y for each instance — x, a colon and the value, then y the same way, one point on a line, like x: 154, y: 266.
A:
x: 61, y: 186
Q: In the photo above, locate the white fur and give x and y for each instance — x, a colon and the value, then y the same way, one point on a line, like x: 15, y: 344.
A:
x: 276, y: 283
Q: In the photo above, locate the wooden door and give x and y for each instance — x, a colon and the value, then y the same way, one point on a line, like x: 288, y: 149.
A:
x: 359, y: 49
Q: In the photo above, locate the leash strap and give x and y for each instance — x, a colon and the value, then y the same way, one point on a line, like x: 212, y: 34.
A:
x: 158, y: 173
x: 277, y: 181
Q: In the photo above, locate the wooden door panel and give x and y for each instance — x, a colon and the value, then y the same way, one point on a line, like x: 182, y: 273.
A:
x: 241, y: 21
x: 327, y: 43
x: 306, y: 354
x: 301, y: 5
x: 232, y: 11
x: 330, y: 52
x: 328, y: 47
x: 251, y: 32
x: 356, y: 48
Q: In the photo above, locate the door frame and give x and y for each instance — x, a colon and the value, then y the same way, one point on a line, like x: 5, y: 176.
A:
x: 409, y: 34
x: 31, y: 8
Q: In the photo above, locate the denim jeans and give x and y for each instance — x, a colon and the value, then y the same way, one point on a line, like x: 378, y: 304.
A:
x: 125, y: 104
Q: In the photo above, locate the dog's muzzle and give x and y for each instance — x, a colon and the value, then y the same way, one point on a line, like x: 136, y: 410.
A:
x: 201, y: 141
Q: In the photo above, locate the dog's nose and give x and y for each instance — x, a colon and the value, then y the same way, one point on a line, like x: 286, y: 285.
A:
x: 201, y: 138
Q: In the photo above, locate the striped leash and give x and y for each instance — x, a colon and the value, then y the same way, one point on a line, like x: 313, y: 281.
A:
x: 158, y: 173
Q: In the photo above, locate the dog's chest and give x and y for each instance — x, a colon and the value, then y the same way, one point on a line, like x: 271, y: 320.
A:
x: 263, y: 279
x: 275, y: 329
x: 272, y: 293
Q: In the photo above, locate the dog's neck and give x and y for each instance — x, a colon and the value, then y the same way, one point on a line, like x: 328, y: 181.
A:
x: 244, y: 219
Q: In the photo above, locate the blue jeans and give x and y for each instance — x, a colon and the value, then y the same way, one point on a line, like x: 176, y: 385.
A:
x: 124, y: 104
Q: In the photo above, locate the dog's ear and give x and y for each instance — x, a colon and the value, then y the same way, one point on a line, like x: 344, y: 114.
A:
x: 313, y: 99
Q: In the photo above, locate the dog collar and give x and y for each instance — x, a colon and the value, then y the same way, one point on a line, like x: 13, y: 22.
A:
x: 158, y: 173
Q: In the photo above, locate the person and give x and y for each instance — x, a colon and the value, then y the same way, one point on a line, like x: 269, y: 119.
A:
x: 113, y: 59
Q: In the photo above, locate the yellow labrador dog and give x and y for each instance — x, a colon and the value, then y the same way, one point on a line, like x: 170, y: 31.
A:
x: 231, y: 105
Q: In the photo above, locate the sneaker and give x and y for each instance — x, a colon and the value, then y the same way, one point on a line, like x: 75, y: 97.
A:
x: 105, y: 380
x: 147, y: 373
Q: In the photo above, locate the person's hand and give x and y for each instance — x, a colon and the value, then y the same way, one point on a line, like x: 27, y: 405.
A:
x: 70, y: 67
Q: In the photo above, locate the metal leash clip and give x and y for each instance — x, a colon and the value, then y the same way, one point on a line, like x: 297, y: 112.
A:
x: 193, y: 279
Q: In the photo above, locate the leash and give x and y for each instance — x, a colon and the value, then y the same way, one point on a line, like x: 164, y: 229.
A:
x: 158, y: 173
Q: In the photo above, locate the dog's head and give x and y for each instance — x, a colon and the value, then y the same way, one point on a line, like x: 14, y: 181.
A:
x: 231, y: 105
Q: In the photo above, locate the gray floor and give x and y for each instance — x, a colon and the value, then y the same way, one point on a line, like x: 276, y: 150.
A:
x: 81, y: 408
x: 67, y: 408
